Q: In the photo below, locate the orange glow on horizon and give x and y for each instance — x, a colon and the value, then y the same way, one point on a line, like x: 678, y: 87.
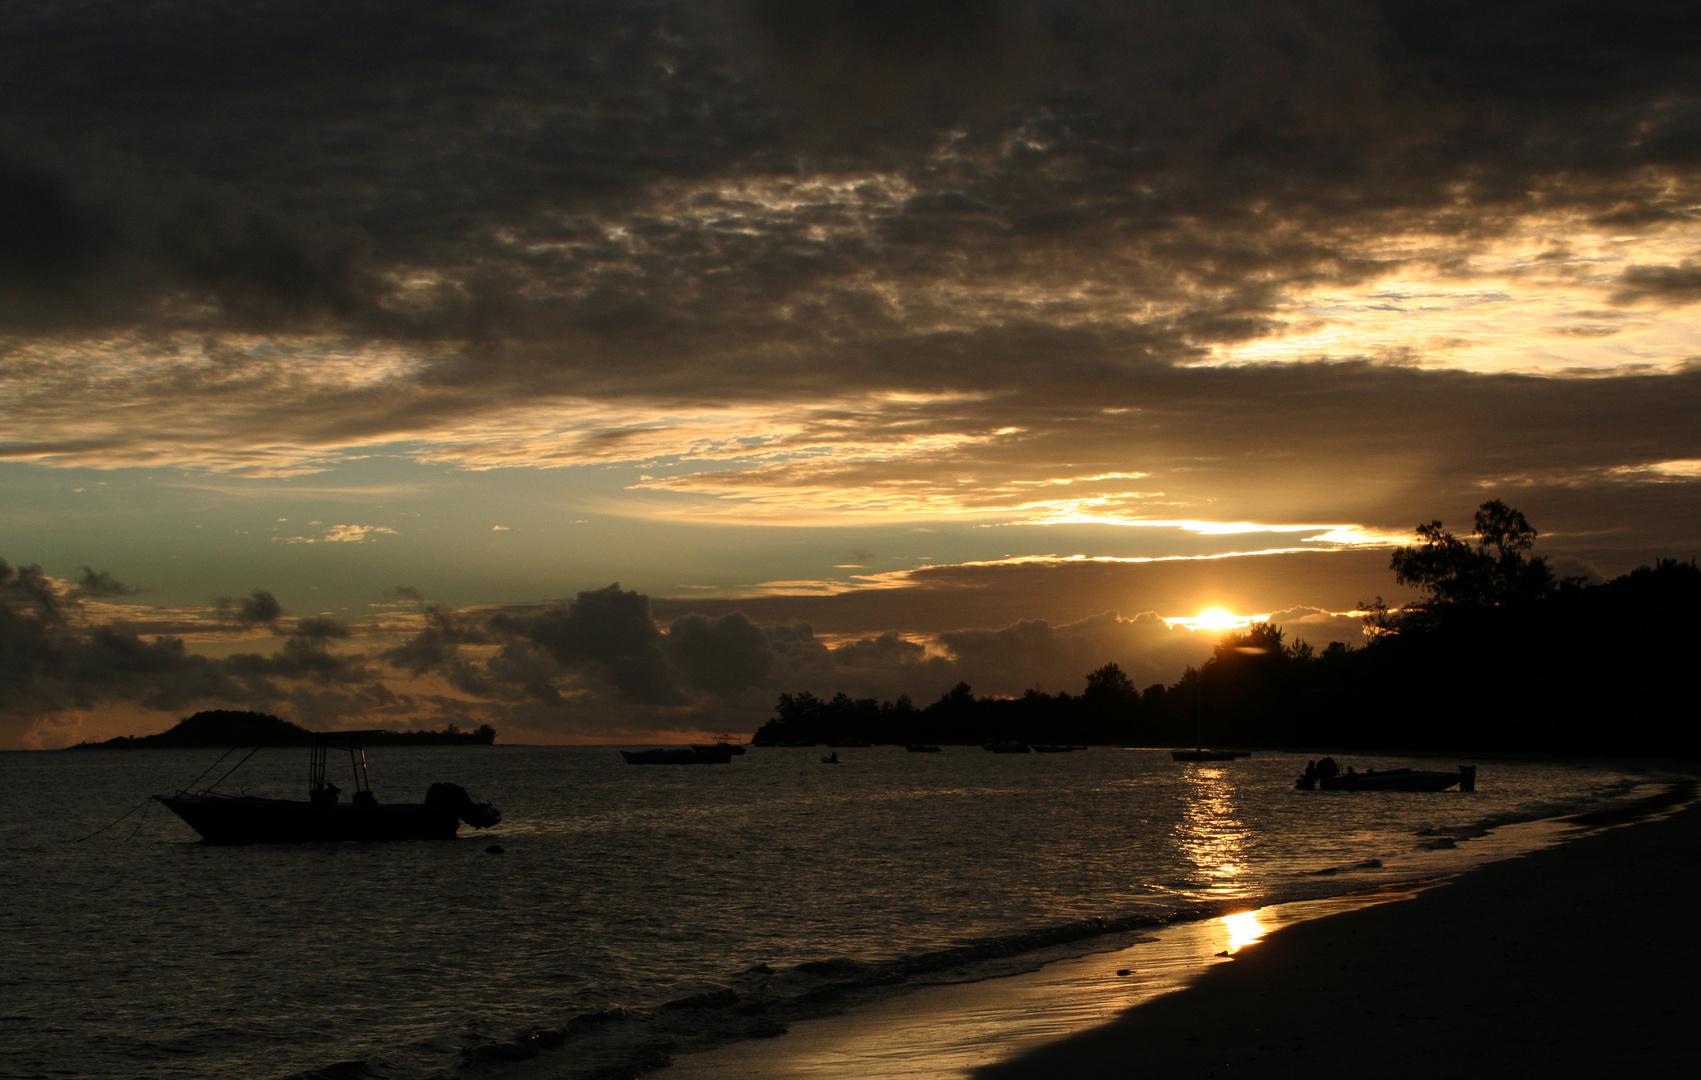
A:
x: 1215, y: 620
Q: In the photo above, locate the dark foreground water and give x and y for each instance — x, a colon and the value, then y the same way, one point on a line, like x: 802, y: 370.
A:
x: 638, y: 910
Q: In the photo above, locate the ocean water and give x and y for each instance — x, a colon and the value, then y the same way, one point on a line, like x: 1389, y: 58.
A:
x: 638, y: 912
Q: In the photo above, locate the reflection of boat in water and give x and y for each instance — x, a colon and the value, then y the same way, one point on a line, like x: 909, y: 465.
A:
x: 679, y: 755
x: 249, y: 819
x: 1327, y: 775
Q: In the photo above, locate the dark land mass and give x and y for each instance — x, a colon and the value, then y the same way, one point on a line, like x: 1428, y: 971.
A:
x: 229, y: 727
x: 1496, y: 656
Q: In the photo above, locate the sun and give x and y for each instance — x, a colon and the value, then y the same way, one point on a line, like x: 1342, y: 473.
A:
x: 1216, y: 618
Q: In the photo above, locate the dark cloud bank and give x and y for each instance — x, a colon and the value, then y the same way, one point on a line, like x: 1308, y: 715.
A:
x: 275, y: 165
x: 596, y: 666
x: 1049, y: 206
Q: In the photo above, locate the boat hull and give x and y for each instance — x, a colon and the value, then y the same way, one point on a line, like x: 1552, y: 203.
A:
x: 1391, y: 781
x: 246, y: 820
x: 1205, y: 755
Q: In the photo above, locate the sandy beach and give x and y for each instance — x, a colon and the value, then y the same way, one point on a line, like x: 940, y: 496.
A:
x: 1573, y: 961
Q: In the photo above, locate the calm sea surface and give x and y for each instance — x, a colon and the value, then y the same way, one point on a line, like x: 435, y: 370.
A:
x: 740, y: 893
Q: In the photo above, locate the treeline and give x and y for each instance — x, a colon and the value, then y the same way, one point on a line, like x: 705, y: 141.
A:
x: 1495, y: 655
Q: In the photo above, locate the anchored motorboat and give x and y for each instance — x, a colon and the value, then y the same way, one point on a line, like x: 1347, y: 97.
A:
x: 251, y: 819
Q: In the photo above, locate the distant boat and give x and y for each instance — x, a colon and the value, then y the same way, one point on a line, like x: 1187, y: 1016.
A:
x: 1199, y: 753
x: 921, y: 748
x: 1049, y: 748
x: 831, y: 759
x: 1325, y: 774
x: 679, y: 755
x: 1206, y: 755
x: 1008, y: 746
x: 249, y: 819
x: 722, y: 744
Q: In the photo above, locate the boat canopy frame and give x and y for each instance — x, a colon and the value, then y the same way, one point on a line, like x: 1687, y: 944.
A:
x: 319, y: 753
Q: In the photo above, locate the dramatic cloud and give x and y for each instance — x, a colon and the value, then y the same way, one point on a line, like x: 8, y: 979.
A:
x: 58, y: 658
x: 259, y: 608
x: 1317, y: 269
x: 99, y: 583
x: 985, y: 235
x: 609, y: 629
x: 722, y: 655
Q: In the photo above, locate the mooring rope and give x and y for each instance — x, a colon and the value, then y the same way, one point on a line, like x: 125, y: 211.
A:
x: 119, y: 818
x: 210, y: 768
x: 233, y: 768
x: 147, y: 804
x: 143, y: 805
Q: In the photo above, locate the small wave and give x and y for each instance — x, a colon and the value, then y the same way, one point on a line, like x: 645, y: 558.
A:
x: 1367, y: 864
x: 341, y: 1070
x: 762, y: 1001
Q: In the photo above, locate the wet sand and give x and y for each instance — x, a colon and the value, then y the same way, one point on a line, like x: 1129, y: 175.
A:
x: 1572, y: 961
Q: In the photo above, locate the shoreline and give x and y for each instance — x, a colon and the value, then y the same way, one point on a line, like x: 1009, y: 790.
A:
x: 1069, y: 1017
x: 1572, y: 960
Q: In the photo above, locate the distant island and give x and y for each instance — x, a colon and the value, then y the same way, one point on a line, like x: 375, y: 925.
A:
x: 230, y: 727
x: 1496, y: 655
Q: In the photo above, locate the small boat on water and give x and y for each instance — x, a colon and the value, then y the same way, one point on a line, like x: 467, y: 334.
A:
x: 1008, y: 746
x: 1201, y: 754
x: 677, y: 755
x: 250, y: 819
x: 1327, y: 776
x: 723, y: 744
x: 921, y: 748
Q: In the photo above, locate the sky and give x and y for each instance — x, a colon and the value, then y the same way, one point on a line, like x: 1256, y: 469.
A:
x: 600, y: 370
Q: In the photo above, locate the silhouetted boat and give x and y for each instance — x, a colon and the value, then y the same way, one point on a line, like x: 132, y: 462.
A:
x: 1199, y: 753
x: 1206, y: 755
x: 723, y: 744
x: 921, y: 748
x: 249, y: 819
x: 1008, y: 746
x: 680, y: 755
x: 1325, y: 774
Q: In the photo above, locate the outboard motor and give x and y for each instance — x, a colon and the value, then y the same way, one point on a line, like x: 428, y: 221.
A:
x: 454, y: 797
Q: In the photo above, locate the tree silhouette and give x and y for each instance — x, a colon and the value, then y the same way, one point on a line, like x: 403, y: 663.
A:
x: 1449, y: 573
x: 1109, y: 682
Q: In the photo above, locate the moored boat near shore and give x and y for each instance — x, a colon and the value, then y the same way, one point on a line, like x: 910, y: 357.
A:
x: 723, y: 744
x: 1201, y: 754
x: 1327, y: 776
x: 248, y: 819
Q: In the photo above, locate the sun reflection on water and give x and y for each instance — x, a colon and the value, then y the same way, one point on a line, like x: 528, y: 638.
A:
x: 1213, y: 833
x: 1243, y: 929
